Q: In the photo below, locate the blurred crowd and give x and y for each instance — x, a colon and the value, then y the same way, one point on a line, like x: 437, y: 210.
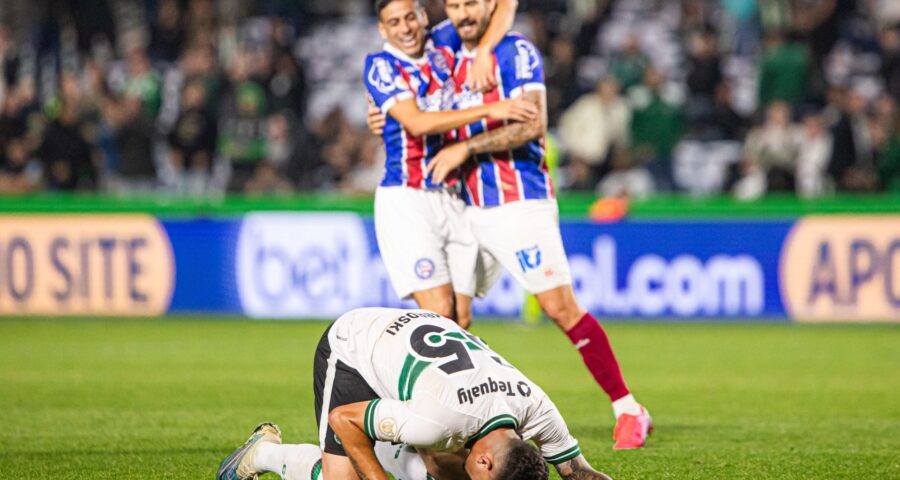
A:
x: 202, y: 97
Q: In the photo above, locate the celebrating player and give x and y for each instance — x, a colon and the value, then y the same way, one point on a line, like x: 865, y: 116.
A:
x: 426, y: 245
x: 512, y: 209
x: 413, y: 377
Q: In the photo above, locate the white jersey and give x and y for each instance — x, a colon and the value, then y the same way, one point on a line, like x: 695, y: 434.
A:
x: 441, y: 387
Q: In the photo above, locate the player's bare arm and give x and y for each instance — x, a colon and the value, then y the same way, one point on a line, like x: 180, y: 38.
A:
x: 347, y: 422
x: 482, y: 75
x: 418, y: 122
x: 506, y: 137
x: 578, y: 468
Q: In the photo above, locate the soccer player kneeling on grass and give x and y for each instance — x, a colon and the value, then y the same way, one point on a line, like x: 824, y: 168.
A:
x: 452, y: 407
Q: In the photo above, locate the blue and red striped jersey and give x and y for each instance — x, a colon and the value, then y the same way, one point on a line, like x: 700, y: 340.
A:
x: 391, y: 77
x: 498, y: 178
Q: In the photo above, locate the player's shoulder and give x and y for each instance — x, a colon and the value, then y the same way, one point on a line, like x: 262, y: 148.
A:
x: 513, y: 42
x: 444, y: 35
x: 382, y: 57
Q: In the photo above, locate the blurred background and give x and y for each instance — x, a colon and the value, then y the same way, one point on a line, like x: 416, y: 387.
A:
x: 695, y: 97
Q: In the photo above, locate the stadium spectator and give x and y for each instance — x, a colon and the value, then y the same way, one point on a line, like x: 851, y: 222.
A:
x: 242, y: 141
x: 784, y: 71
x: 629, y: 63
x: 771, y: 150
x: 19, y: 172
x: 656, y: 127
x: 704, y: 75
x: 889, y: 163
x: 852, y: 164
x: 593, y: 126
x: 192, y: 141
x: 167, y: 34
x: 813, y: 153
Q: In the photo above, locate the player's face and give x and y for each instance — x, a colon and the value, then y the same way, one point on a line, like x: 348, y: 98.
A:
x: 402, y: 24
x: 470, y: 17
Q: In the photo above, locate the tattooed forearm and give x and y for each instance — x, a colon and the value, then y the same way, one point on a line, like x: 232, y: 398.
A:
x: 513, y: 135
x: 579, y: 469
x: 504, y: 138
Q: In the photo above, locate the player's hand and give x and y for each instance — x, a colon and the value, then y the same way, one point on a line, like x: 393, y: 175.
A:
x: 446, y: 161
x: 481, y: 76
x: 519, y: 110
x: 375, y: 120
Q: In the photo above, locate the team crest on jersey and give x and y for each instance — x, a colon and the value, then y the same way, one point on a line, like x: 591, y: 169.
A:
x: 527, y: 60
x: 381, y: 76
x: 388, y: 427
x: 424, y: 268
x: 529, y: 258
x: 439, y: 62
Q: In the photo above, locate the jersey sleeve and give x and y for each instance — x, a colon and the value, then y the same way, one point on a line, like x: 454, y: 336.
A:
x: 444, y: 35
x: 521, y: 66
x: 550, y: 433
x: 384, y: 83
x: 394, y: 421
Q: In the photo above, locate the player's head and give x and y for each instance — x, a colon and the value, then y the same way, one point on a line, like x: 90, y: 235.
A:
x: 402, y: 23
x: 510, y: 458
x: 470, y: 17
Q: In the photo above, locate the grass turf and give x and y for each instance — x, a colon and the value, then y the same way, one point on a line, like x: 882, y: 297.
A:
x: 168, y: 399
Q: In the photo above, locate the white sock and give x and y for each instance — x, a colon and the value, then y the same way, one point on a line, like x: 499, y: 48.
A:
x: 291, y: 462
x: 626, y: 404
x: 401, y: 461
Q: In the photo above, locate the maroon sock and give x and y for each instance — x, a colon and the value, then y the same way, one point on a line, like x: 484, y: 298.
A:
x: 593, y: 344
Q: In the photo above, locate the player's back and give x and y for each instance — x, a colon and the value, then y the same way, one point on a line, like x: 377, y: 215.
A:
x: 405, y: 353
x: 446, y: 375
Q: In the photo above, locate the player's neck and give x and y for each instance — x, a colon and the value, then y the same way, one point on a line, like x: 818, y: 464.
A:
x: 470, y: 46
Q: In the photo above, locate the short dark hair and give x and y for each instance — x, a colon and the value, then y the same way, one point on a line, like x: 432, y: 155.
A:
x: 523, y: 462
x: 382, y: 4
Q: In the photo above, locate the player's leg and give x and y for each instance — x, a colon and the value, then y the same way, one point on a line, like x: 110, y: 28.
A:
x: 437, y: 299
x: 290, y: 462
x: 335, y: 384
x: 463, y: 310
x: 525, y: 238
x: 463, y: 258
x: 411, y: 242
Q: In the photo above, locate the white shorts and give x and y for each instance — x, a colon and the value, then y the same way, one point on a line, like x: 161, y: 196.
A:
x: 524, y: 238
x: 424, y: 240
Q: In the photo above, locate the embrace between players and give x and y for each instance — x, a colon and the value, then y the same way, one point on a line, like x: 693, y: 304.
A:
x: 466, y: 191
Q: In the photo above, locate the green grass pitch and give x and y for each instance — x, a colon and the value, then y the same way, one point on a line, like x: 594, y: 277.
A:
x: 168, y: 399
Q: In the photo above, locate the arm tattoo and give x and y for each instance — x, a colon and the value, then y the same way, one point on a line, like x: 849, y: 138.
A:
x: 579, y: 469
x: 504, y: 138
x: 513, y: 135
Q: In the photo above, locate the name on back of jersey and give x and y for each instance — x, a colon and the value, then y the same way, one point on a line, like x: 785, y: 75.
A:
x: 404, y: 320
x: 491, y: 386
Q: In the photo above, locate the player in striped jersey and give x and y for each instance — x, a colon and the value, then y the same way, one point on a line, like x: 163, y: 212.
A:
x: 512, y: 209
x: 414, y: 377
x: 426, y: 245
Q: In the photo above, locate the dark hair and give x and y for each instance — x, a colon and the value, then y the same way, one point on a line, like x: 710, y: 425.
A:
x: 382, y: 4
x: 523, y: 462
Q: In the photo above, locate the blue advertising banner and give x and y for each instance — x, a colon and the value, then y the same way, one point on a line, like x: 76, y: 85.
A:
x: 287, y: 265
x: 319, y: 265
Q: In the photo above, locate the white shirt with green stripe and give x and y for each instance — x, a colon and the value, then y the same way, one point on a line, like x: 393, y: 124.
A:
x: 440, y: 387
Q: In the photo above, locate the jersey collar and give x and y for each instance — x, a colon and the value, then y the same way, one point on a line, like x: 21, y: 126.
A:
x: 402, y: 56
